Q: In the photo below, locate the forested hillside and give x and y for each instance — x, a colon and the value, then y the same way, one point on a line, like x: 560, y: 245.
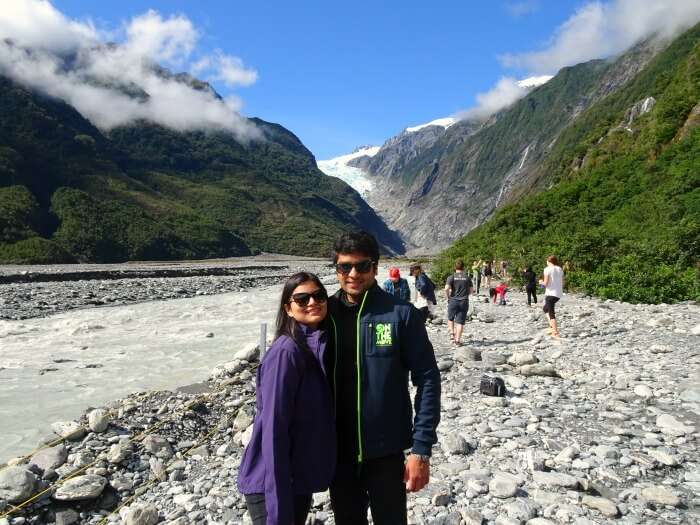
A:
x: 623, y: 206
x: 69, y: 192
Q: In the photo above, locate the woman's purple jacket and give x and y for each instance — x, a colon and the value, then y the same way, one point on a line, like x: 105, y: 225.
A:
x: 293, y: 447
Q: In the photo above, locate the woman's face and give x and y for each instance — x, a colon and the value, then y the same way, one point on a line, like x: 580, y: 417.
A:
x: 316, y: 307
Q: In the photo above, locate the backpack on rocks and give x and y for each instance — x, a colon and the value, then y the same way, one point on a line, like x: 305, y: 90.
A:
x: 492, y: 386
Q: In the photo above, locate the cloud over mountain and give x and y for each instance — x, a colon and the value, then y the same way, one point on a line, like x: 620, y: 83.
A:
x: 115, y: 84
x: 603, y: 29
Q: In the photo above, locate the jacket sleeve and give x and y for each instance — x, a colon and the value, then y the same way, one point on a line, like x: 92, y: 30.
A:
x: 387, y: 287
x: 419, y: 358
x: 280, y: 381
x: 405, y: 290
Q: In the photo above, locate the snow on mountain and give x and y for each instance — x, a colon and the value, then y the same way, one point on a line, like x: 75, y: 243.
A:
x: 355, y: 177
x: 533, y: 82
x: 444, y: 122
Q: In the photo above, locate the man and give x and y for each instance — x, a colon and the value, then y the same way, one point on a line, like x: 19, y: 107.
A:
x: 377, y: 341
x: 397, y: 285
x: 425, y: 292
x: 457, y: 290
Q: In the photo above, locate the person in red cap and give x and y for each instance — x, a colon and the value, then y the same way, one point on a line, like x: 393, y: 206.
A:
x: 397, y: 285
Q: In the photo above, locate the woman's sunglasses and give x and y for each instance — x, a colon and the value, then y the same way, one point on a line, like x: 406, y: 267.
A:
x: 303, y: 298
x: 361, y: 267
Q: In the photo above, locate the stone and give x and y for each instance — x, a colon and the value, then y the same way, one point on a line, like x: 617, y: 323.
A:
x: 119, y: 452
x: 502, y: 488
x: 142, y: 514
x: 522, y: 358
x: 539, y: 369
x: 670, y: 425
x: 663, y: 457
x: 660, y: 495
x: 243, y: 420
x: 539, y: 521
x: 521, y: 509
x: 643, y: 391
x: 186, y: 501
x: 555, y: 479
x: 454, y: 444
x: 88, y: 486
x: 16, y: 484
x: 98, y: 420
x: 691, y: 395
x: 249, y: 353
x: 50, y: 458
x: 67, y: 517
x: 471, y: 517
x: 566, y: 455
x: 602, y: 505
x: 69, y: 430
x: 464, y: 354
x: 158, y: 446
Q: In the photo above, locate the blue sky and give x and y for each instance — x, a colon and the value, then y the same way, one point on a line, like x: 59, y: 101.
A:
x: 343, y: 74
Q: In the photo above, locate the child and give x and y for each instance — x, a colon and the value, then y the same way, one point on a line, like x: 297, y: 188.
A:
x: 500, y: 293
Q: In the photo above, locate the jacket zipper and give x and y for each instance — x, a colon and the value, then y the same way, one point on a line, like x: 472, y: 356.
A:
x: 360, y: 454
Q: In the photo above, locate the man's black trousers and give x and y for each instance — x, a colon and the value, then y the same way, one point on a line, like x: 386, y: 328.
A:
x: 377, y: 484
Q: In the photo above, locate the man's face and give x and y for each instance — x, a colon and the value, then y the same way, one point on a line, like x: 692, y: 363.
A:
x: 355, y: 283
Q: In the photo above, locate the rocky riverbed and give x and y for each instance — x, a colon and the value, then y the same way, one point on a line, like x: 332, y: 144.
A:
x: 38, y: 291
x: 599, y: 427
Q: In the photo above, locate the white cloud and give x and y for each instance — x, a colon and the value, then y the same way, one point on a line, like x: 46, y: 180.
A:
x: 506, y: 92
x: 603, y: 29
x: 70, y: 60
x: 523, y: 8
x: 224, y: 68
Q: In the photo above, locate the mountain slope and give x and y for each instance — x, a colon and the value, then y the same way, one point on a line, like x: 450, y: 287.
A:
x: 71, y: 192
x: 625, y: 212
x: 456, y: 181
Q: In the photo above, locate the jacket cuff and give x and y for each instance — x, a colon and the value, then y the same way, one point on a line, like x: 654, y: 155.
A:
x: 422, y: 448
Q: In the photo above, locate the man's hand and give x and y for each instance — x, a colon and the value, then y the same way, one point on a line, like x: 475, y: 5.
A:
x: 416, y: 473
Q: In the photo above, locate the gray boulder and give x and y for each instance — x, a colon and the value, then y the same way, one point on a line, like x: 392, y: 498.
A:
x: 16, y: 484
x: 50, y: 458
x: 89, y: 486
x: 98, y: 420
x: 142, y: 514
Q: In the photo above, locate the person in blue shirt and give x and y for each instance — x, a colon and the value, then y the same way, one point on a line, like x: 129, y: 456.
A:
x: 292, y: 451
x: 397, y: 285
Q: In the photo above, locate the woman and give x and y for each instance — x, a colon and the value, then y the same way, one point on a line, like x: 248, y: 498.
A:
x: 292, y: 451
x: 530, y: 280
x: 554, y: 289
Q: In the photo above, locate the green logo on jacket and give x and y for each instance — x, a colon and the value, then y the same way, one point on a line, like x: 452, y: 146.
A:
x: 383, y: 334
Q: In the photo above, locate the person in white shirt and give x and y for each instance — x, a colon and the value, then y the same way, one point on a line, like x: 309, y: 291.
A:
x: 554, y: 289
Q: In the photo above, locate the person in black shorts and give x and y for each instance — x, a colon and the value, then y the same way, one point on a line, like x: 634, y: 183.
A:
x: 457, y: 290
x: 530, y: 280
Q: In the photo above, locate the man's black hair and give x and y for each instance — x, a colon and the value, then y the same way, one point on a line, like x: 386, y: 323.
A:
x: 356, y: 242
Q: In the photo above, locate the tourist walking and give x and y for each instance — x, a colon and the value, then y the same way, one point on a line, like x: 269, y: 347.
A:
x: 380, y: 342
x: 554, y: 290
x: 397, y: 285
x: 488, y: 272
x: 292, y: 451
x: 457, y: 289
x: 476, y: 276
x: 425, y: 292
x: 530, y: 280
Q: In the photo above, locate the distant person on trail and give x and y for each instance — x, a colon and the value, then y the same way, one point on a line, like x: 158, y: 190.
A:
x: 379, y: 342
x: 457, y: 290
x: 488, y: 272
x: 292, y: 451
x: 476, y: 275
x: 397, y: 285
x: 554, y: 289
x: 530, y: 280
x: 425, y: 292
x: 504, y: 269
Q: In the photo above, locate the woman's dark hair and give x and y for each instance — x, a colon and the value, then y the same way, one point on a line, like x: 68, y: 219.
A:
x: 287, y: 325
x: 356, y: 242
x: 553, y: 259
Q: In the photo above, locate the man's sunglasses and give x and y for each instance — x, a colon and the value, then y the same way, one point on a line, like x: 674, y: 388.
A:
x: 361, y: 267
x: 303, y: 298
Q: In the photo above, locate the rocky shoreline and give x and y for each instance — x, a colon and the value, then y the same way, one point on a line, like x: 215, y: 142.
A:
x: 46, y: 290
x: 600, y: 427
